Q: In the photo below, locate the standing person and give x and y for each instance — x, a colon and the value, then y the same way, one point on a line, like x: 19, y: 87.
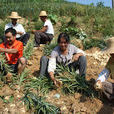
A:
x: 65, y: 54
x: 108, y: 71
x: 13, y: 50
x: 20, y: 31
x: 45, y: 35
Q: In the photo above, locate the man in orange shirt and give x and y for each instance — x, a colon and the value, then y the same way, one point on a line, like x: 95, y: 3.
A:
x: 13, y: 51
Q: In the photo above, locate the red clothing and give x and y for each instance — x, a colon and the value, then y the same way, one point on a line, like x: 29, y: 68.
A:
x: 11, y: 57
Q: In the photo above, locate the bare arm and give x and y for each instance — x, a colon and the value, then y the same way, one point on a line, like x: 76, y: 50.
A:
x: 44, y: 29
x: 51, y: 74
x: 21, y: 33
x: 8, y: 50
x: 55, y: 81
x: 77, y: 55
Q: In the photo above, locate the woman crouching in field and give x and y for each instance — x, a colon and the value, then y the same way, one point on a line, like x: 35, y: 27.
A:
x: 65, y: 54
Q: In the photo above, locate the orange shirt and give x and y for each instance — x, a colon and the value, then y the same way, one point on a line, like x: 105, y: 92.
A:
x: 12, y: 58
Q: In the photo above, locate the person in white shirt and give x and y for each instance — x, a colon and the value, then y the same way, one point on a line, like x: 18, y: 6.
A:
x: 45, y: 35
x: 21, y: 34
x: 64, y: 54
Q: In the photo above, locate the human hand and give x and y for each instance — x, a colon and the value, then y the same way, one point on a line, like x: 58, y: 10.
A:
x: 0, y: 49
x: 19, y: 33
x: 33, y: 31
x: 76, y: 57
x: 57, y: 83
x: 98, y: 85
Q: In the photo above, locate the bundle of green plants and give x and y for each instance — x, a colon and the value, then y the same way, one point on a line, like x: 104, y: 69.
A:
x: 42, y: 84
x: 4, y: 64
x: 48, y: 49
x: 72, y: 82
x: 28, y: 50
x: 38, y: 105
x: 89, y: 43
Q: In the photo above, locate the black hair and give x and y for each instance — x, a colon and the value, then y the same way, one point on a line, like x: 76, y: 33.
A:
x: 65, y: 36
x: 13, y: 31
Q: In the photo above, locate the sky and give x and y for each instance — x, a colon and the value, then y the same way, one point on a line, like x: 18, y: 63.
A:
x: 87, y: 2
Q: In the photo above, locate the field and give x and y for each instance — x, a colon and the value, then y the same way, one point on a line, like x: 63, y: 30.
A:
x: 89, y: 27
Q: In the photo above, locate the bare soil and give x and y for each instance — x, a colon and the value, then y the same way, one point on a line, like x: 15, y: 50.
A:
x: 69, y: 104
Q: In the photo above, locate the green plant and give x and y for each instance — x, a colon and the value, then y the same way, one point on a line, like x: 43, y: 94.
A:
x: 72, y: 82
x: 38, y: 104
x: 22, y: 77
x: 48, y: 49
x: 38, y: 25
x: 10, y: 100
x: 42, y: 84
x: 28, y: 50
x: 53, y: 18
x: 89, y: 43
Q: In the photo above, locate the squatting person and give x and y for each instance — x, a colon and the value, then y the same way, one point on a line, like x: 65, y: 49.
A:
x: 45, y: 35
x: 13, y: 51
x: 65, y: 54
x: 21, y: 35
x: 108, y: 71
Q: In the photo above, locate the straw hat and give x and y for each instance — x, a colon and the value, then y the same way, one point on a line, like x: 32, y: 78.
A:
x: 14, y: 15
x: 43, y: 13
x: 110, y: 46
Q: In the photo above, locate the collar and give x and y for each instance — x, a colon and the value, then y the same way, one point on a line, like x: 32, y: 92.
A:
x: 13, y: 25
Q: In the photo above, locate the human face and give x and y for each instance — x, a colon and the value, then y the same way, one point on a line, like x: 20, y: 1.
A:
x: 14, y: 21
x: 43, y: 18
x: 63, y: 44
x: 10, y: 38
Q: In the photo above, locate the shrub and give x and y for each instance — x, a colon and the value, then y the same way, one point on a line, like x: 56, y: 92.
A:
x: 53, y: 18
x: 89, y: 43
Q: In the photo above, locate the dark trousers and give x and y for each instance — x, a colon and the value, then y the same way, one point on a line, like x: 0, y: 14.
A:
x: 24, y: 38
x: 42, y: 38
x: 79, y: 64
x: 108, y: 90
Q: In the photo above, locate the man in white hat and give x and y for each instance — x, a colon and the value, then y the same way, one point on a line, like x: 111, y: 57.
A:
x: 108, y: 71
x: 21, y: 34
x: 45, y: 35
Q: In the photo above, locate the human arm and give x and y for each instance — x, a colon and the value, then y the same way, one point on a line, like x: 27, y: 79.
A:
x: 76, y: 52
x: 77, y: 55
x: 8, y: 50
x: 21, y: 33
x: 51, y: 69
x: 20, y: 30
x: 44, y: 29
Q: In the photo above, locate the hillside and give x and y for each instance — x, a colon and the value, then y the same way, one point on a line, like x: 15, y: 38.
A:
x: 88, y: 27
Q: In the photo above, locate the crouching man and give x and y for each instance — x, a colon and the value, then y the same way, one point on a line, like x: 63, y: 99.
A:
x: 108, y: 71
x: 13, y: 50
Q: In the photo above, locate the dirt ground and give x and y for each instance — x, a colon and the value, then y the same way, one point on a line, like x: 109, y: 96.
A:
x: 69, y: 104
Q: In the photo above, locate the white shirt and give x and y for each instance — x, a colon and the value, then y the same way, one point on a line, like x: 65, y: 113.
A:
x: 103, y: 76
x: 57, y: 57
x: 50, y: 27
x: 17, y: 27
